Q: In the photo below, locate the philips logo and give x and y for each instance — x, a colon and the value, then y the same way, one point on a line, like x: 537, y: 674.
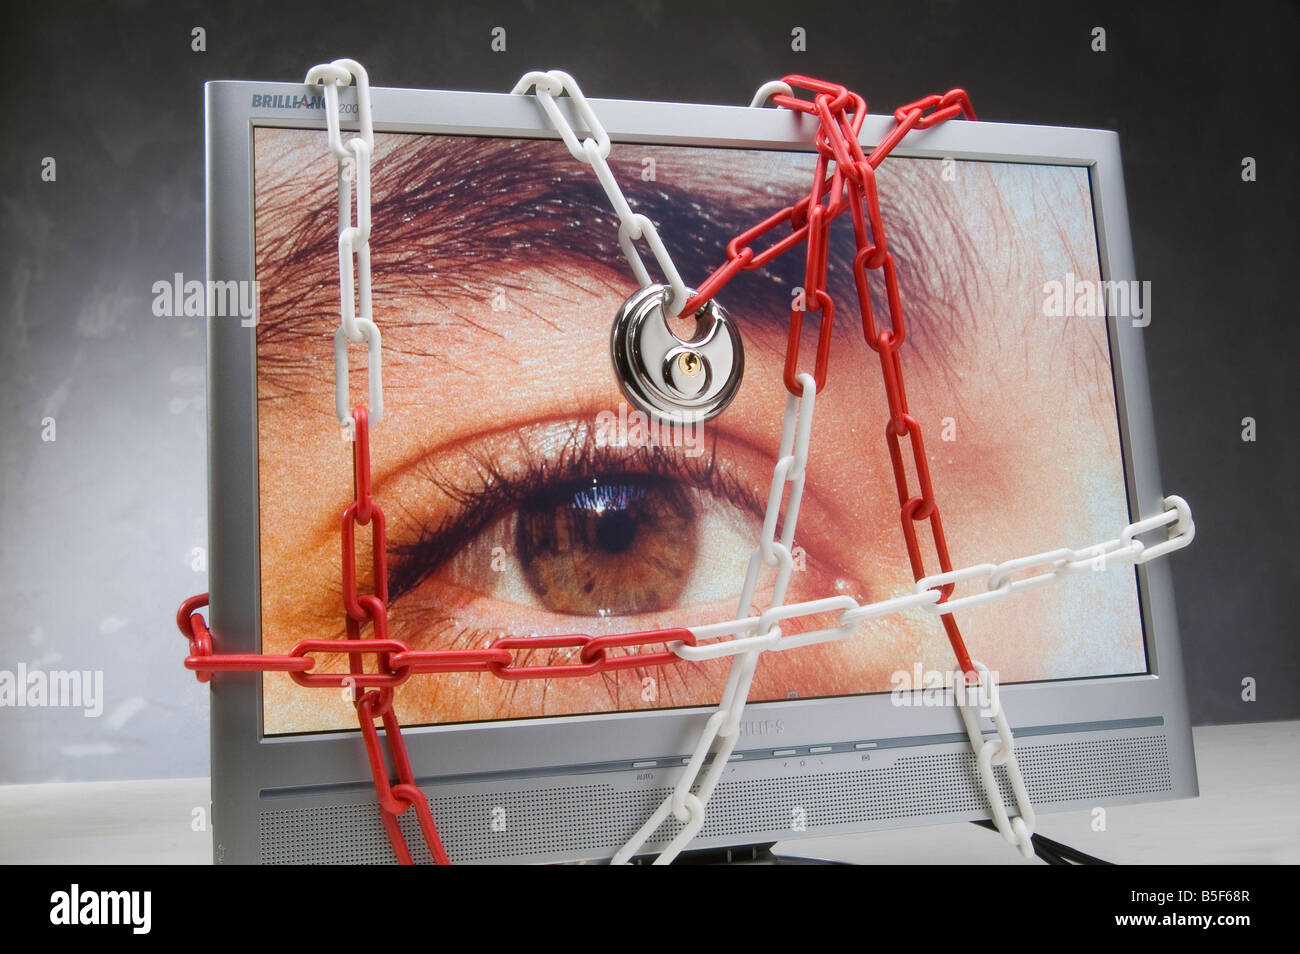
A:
x: 277, y: 101
x: 762, y: 727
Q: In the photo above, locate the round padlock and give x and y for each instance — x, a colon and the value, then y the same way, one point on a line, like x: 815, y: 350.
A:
x: 677, y: 381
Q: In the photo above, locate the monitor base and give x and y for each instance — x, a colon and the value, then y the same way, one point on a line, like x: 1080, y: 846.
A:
x: 736, y: 855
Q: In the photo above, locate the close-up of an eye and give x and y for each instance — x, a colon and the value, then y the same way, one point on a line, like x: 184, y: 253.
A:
x: 588, y: 535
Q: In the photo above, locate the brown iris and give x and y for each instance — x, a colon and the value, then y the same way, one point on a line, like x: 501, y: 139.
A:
x: 608, y: 546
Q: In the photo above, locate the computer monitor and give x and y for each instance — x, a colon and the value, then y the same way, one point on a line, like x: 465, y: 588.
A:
x: 497, y: 275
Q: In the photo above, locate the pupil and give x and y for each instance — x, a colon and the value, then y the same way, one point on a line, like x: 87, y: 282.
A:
x: 615, y: 531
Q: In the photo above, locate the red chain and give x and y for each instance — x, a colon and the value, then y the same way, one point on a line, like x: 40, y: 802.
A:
x: 397, y: 662
x: 840, y: 113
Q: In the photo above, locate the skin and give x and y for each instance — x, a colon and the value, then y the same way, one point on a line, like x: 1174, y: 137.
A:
x: 1030, y: 398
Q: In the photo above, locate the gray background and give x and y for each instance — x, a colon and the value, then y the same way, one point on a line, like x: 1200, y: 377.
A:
x: 98, y: 528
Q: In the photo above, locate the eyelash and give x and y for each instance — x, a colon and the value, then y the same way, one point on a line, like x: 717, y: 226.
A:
x: 478, y: 507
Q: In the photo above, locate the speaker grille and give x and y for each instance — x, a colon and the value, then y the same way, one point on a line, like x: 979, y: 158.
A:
x: 564, y: 820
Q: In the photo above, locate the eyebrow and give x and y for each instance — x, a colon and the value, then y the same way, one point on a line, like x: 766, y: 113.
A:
x: 448, y: 210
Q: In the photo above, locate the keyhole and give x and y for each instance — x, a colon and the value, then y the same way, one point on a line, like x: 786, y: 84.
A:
x: 690, y: 363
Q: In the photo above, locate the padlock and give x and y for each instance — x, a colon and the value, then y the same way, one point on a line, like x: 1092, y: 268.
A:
x: 674, y: 380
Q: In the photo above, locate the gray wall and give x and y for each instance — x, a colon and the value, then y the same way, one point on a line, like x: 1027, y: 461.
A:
x: 97, y: 528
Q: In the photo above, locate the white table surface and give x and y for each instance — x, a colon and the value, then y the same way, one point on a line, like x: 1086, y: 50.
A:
x: 1248, y: 813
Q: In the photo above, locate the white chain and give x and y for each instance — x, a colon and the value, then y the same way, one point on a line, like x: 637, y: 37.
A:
x: 594, y: 151
x: 1018, y: 830
x: 767, y: 90
x: 1060, y: 563
x: 724, y: 723
x: 753, y: 635
x: 752, y: 632
x: 356, y: 318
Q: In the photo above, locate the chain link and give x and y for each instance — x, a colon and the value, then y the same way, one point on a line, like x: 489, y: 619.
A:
x: 687, y: 802
x: 356, y: 317
x: 1018, y: 830
x: 765, y: 92
x: 395, y: 799
x: 372, y: 693
x: 594, y: 150
x: 1059, y: 563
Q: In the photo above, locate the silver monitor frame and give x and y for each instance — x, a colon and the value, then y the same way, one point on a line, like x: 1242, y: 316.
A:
x: 309, y: 797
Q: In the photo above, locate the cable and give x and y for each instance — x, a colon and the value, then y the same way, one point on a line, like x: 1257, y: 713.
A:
x: 1052, y: 851
x: 1049, y: 856
x: 1071, y: 854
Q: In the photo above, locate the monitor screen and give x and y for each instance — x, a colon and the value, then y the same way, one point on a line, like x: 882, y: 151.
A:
x: 523, y: 495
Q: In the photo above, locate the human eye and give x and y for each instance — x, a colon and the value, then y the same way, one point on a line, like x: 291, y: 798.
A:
x: 543, y: 530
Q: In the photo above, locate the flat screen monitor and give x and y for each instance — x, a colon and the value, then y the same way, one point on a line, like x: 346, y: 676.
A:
x: 525, y: 496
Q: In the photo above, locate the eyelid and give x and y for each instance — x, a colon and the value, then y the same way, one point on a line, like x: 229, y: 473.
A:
x: 494, y: 485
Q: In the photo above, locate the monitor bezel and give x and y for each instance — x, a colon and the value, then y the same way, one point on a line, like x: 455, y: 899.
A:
x: 247, y: 764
